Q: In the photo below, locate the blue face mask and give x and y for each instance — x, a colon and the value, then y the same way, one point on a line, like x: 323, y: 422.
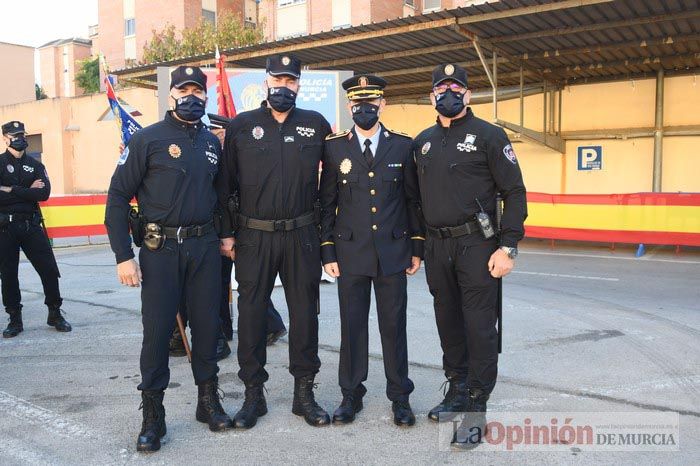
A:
x: 281, y: 98
x: 19, y: 143
x: 190, y: 107
x: 449, y: 103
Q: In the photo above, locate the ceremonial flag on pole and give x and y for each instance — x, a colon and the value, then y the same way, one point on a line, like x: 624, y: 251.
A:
x: 126, y: 123
x: 224, y: 97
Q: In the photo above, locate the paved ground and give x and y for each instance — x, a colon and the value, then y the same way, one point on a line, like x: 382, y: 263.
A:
x: 586, y: 330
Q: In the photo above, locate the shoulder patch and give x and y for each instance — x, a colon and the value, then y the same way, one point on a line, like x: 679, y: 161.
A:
x: 339, y: 134
x: 399, y: 133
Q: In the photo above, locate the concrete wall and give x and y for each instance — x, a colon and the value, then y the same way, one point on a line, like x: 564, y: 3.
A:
x: 17, y: 77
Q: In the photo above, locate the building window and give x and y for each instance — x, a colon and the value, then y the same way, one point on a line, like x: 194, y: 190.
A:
x: 431, y: 5
x: 129, y: 27
x: 289, y: 2
x: 209, y: 16
x: 410, y: 3
x: 340, y: 13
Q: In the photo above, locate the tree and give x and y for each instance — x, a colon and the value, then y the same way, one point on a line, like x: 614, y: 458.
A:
x: 228, y: 32
x: 88, y: 78
x: 39, y: 92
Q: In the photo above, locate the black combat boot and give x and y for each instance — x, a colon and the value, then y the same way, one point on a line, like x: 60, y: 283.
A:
x: 209, y: 409
x: 153, y: 427
x: 403, y: 414
x: 456, y: 399
x: 305, y: 404
x: 223, y: 350
x: 472, y: 429
x: 176, y: 347
x: 57, y: 321
x: 14, y: 326
x: 253, y: 407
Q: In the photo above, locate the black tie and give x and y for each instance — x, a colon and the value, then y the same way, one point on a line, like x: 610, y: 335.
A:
x: 368, y: 152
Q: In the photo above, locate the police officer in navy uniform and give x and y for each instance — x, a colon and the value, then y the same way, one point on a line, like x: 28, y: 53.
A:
x: 463, y: 163
x: 272, y: 161
x: 371, y: 235
x: 171, y: 168
x: 23, y: 184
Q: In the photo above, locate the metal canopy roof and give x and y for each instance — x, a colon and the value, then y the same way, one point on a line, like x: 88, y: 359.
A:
x: 561, y: 42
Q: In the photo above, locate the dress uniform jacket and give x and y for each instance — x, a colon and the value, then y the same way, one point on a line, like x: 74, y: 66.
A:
x: 370, y: 214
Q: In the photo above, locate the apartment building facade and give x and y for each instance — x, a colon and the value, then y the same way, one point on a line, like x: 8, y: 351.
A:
x: 60, y: 61
x: 17, y: 79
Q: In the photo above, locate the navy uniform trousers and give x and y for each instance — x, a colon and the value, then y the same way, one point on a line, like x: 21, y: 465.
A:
x: 192, y: 267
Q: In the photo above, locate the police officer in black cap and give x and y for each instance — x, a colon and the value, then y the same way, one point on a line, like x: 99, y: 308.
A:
x: 272, y: 162
x: 463, y: 163
x: 371, y: 235
x: 23, y: 184
x: 171, y: 168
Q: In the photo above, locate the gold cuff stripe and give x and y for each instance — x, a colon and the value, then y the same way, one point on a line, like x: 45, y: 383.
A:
x: 418, y: 237
x: 328, y: 243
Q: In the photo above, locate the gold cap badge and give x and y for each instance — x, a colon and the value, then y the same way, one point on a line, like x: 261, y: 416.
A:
x: 363, y: 82
x: 16, y: 125
x: 449, y: 69
x: 174, y: 151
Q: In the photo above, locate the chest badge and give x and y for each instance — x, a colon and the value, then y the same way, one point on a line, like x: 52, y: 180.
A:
x: 258, y: 132
x: 426, y: 148
x: 174, y: 151
x: 345, y: 166
x: 306, y: 132
x: 10, y: 168
x: 468, y: 144
x: 28, y: 169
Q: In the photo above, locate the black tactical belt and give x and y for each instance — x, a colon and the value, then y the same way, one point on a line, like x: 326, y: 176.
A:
x: 193, y: 231
x: 21, y: 217
x: 453, y: 232
x: 277, y: 225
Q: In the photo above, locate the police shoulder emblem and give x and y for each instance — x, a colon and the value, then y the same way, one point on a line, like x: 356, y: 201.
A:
x: 174, y: 151
x: 426, y: 148
x: 510, y: 154
x: 258, y: 132
x: 449, y: 69
x: 285, y: 61
x: 188, y: 71
x: 345, y: 166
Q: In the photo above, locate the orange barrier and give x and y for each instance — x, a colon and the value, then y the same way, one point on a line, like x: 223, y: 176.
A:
x: 651, y: 218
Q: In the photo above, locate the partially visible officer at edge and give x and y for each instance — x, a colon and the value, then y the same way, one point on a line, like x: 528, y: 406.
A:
x: 271, y: 168
x: 23, y: 184
x: 371, y: 236
x: 171, y: 168
x: 463, y: 163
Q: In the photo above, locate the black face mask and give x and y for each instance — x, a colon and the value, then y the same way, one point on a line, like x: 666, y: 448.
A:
x: 281, y: 98
x: 449, y: 103
x: 365, y: 115
x: 19, y: 143
x: 190, y: 107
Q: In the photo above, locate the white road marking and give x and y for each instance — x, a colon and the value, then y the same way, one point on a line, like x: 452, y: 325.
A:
x: 597, y: 256
x: 42, y: 417
x: 563, y: 275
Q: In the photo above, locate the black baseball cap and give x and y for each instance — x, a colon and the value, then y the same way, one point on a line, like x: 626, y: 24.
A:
x: 13, y: 127
x: 364, y: 87
x: 451, y: 71
x: 188, y: 75
x: 283, y: 64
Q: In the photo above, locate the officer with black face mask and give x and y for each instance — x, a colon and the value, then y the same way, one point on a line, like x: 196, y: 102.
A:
x: 23, y: 183
x: 371, y: 235
x: 463, y: 163
x: 271, y: 166
x: 171, y: 167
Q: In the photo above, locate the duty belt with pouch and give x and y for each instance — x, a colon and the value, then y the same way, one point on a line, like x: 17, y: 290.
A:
x: 454, y: 232
x: 155, y: 234
x: 309, y: 218
x: 6, y: 219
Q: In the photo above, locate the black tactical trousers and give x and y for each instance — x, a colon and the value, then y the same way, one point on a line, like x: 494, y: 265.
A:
x: 193, y: 268
x: 354, y: 295
x: 30, y: 237
x: 260, y: 256
x: 465, y: 298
